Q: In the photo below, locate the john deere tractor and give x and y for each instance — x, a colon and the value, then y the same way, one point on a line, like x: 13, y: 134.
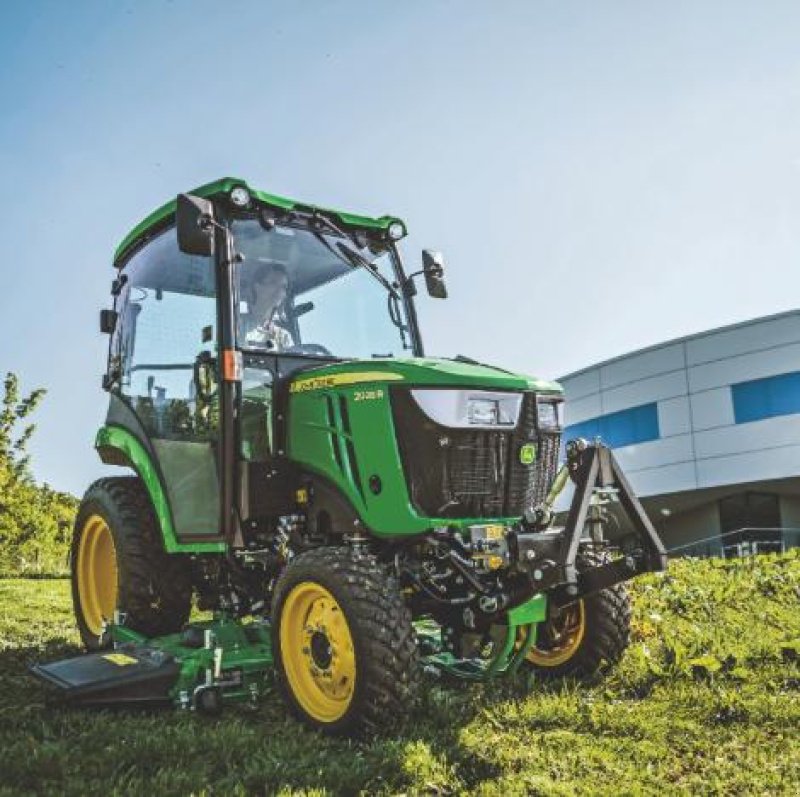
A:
x: 349, y: 512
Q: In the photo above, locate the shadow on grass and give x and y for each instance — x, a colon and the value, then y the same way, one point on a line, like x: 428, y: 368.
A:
x: 49, y: 745
x: 16, y: 575
x: 18, y: 661
x: 257, y: 751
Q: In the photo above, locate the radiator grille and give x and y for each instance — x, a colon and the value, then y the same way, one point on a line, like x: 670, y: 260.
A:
x: 458, y: 473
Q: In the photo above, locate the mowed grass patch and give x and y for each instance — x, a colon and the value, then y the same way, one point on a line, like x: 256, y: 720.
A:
x: 706, y: 701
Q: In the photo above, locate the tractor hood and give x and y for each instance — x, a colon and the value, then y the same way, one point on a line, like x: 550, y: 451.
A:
x: 419, y: 372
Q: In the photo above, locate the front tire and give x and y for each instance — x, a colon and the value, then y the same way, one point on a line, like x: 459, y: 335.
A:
x: 585, y: 637
x: 117, y: 562
x: 345, y: 652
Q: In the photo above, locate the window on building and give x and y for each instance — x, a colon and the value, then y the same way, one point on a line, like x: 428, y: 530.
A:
x: 619, y: 429
x: 766, y: 398
x: 750, y: 523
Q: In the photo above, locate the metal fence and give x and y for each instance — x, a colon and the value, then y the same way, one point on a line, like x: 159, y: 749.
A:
x: 741, y: 542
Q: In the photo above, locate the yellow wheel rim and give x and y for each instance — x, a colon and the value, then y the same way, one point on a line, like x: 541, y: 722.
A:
x: 317, y: 652
x: 559, y: 638
x: 97, y: 574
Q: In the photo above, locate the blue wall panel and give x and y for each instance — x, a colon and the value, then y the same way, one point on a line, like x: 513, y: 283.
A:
x: 766, y: 398
x: 620, y: 429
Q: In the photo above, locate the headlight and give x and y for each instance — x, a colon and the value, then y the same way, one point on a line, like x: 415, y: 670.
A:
x: 483, y: 411
x: 547, y: 414
x: 470, y: 409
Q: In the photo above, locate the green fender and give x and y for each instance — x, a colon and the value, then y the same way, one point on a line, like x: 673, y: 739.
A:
x: 117, y: 446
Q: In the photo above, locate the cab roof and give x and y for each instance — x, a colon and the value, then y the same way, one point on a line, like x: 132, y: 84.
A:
x: 161, y: 217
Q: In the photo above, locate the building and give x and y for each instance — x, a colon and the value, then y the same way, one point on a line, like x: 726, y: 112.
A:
x: 707, y: 428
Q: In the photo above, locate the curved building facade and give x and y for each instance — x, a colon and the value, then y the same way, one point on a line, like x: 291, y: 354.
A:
x: 707, y: 428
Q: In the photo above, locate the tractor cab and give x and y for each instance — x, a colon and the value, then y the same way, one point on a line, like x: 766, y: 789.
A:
x: 220, y: 298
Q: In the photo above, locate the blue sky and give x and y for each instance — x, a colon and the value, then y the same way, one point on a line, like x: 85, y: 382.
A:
x: 600, y: 176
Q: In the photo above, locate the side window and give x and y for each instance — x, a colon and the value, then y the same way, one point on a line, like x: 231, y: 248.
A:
x: 256, y: 414
x: 164, y: 343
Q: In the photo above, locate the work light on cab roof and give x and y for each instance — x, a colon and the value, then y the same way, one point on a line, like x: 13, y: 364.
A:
x: 240, y: 196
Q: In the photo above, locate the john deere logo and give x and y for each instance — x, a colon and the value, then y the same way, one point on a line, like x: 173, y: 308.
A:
x: 527, y: 454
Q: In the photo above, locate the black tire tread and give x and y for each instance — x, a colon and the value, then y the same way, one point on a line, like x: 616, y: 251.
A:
x: 387, y: 658
x: 155, y: 589
x: 607, y: 634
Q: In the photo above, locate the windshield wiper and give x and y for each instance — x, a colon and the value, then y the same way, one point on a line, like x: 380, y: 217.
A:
x: 351, y: 256
x: 356, y: 260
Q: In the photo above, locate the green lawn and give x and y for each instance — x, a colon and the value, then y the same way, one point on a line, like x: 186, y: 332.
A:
x: 707, y: 701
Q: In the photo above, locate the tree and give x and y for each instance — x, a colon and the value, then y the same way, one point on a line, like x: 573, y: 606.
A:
x: 13, y: 442
x: 35, y: 520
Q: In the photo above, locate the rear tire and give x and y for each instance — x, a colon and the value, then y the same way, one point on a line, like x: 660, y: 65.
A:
x: 118, y: 562
x: 345, y: 652
x: 586, y: 637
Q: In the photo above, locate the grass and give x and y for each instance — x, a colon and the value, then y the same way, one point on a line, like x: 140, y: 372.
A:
x: 707, y: 701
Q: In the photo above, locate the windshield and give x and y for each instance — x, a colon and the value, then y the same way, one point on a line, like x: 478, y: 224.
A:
x: 312, y: 292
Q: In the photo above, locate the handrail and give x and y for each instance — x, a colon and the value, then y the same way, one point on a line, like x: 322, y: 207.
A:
x: 787, y: 534
x: 719, y: 537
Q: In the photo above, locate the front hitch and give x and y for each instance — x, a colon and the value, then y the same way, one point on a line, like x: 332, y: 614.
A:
x: 548, y: 557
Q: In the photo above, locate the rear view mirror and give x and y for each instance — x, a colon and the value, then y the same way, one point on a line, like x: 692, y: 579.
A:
x: 194, y: 219
x: 433, y: 267
x: 303, y: 308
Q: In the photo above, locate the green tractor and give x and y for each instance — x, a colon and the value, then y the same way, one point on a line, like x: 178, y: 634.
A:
x: 350, y: 512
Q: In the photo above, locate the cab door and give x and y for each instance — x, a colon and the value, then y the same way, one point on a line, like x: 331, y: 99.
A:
x: 164, y: 354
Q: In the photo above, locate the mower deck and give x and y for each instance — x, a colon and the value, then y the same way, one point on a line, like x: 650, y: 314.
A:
x: 206, y: 665
x: 141, y: 676
x: 223, y: 660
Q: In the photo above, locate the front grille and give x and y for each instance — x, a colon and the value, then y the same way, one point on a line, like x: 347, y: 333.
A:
x: 458, y: 473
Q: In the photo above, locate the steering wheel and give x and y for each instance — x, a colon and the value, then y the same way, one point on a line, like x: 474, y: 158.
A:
x: 312, y: 349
